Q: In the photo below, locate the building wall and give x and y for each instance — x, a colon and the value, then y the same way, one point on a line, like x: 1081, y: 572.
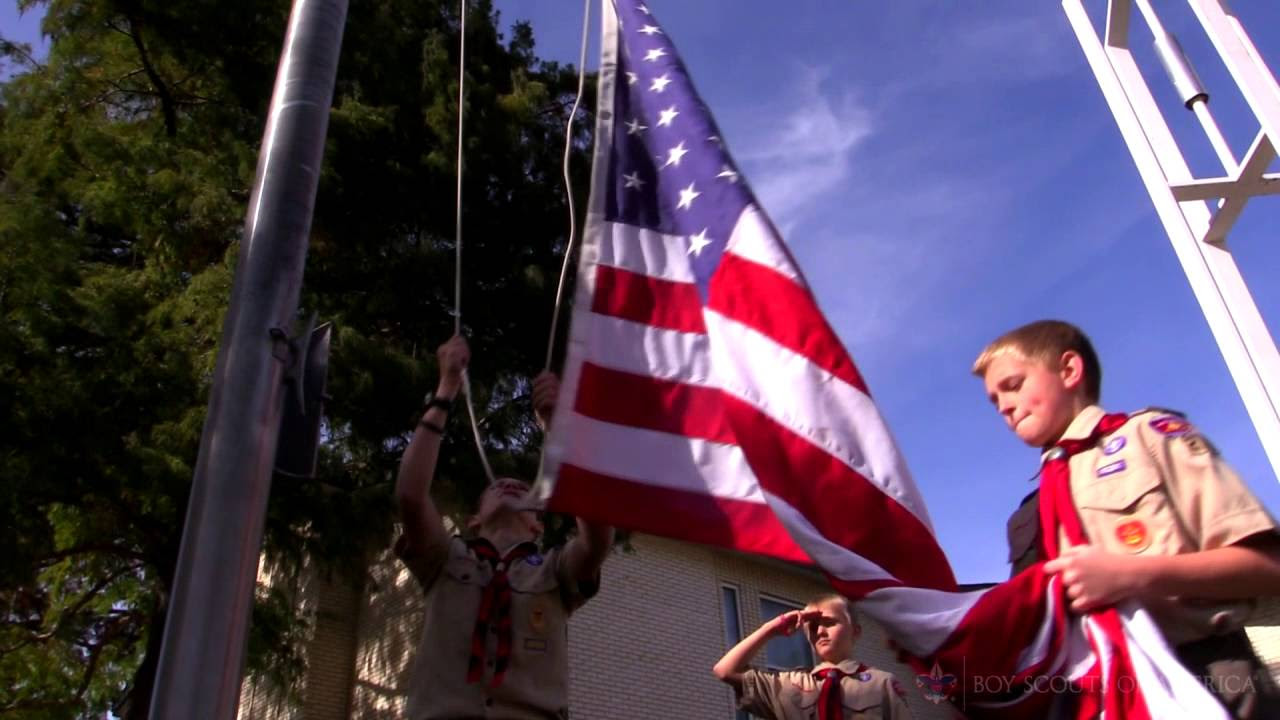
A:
x: 645, y: 646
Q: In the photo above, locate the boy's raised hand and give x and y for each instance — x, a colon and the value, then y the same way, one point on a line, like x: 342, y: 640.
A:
x: 789, y: 622
x: 546, y: 389
x: 453, y: 357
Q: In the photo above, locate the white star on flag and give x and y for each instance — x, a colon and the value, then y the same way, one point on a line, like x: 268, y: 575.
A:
x: 729, y: 174
x: 666, y: 116
x: 632, y: 78
x: 633, y: 180
x: 686, y: 197
x: 697, y: 242
x: 654, y: 54
x: 660, y: 83
x: 674, y: 155
x: 634, y: 126
x: 651, y: 29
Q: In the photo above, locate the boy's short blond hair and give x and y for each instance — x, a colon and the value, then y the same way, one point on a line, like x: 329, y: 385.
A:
x: 836, y: 597
x: 1046, y: 341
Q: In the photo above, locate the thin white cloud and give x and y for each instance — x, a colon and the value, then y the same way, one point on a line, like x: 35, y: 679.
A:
x: 808, y: 154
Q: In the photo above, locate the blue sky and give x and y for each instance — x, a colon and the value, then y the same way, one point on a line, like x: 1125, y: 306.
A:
x: 943, y: 174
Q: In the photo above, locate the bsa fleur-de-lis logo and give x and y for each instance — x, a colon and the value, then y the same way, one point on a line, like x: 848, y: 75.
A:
x: 936, y: 686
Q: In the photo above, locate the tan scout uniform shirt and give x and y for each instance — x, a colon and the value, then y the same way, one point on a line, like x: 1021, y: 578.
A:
x: 536, y: 684
x: 793, y: 694
x: 1154, y: 487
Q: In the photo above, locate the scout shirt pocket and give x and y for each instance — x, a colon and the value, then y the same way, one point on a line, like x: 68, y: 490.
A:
x: 537, y: 613
x: 1123, y: 505
x: 540, y: 633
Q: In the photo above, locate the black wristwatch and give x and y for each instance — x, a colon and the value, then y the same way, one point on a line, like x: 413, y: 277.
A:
x: 431, y: 400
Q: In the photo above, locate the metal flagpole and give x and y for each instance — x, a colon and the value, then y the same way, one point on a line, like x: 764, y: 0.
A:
x: 202, y: 657
x: 1197, y: 231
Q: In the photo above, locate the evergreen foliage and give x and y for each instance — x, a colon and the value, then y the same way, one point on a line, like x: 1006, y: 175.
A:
x: 126, y: 160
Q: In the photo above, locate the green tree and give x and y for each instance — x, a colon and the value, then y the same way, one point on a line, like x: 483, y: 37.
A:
x: 126, y: 160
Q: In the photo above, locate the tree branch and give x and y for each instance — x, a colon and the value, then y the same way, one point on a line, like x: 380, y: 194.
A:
x: 167, y: 104
x: 74, y: 610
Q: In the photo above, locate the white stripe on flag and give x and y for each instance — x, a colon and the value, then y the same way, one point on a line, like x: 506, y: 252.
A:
x: 1168, y: 688
x: 660, y: 459
x: 644, y: 251
x: 825, y: 410
x: 919, y: 619
x: 837, y: 560
x: 753, y: 239
x: 647, y: 350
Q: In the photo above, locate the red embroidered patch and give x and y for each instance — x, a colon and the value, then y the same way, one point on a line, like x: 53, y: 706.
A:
x: 1134, y: 535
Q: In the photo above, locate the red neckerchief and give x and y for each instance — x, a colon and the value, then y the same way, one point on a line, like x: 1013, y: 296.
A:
x: 495, y: 609
x: 1120, y: 697
x: 830, y: 704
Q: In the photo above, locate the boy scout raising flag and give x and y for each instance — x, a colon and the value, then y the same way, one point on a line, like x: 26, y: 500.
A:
x: 494, y: 641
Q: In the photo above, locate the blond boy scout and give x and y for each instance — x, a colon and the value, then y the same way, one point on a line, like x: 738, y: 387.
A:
x: 837, y: 688
x: 494, y: 642
x: 1167, y: 520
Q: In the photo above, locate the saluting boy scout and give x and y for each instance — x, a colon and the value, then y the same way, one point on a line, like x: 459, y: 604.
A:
x: 837, y: 688
x: 1166, y: 520
x: 494, y: 641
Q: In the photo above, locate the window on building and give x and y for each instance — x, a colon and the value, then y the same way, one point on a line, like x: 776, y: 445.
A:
x: 784, y: 652
x: 732, y: 615
x: 732, y: 612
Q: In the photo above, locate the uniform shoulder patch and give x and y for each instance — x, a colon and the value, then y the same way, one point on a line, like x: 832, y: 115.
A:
x: 1170, y: 425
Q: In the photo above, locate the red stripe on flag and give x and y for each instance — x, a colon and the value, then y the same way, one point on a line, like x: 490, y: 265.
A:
x: 689, y: 516
x: 649, y: 300
x: 642, y: 401
x: 775, y: 305
x: 844, y: 506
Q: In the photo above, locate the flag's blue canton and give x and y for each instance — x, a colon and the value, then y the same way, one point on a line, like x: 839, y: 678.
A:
x: 668, y: 167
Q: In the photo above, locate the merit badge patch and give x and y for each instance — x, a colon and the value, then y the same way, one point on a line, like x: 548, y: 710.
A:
x: 1111, y: 469
x: 1170, y: 425
x: 533, y: 559
x: 1133, y: 534
x: 538, y: 618
x: 1113, y: 445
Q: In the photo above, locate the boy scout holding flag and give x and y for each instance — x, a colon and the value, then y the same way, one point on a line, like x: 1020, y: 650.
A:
x: 494, y: 640
x: 1164, y: 519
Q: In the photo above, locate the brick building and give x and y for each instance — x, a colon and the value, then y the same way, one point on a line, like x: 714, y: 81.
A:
x: 643, y: 648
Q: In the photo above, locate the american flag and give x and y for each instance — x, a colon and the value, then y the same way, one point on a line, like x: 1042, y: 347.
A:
x: 706, y: 398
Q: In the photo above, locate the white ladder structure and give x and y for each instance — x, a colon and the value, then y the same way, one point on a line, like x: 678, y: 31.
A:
x: 1197, y: 230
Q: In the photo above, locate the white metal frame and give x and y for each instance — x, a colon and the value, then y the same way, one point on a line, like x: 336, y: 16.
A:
x: 1197, y: 232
